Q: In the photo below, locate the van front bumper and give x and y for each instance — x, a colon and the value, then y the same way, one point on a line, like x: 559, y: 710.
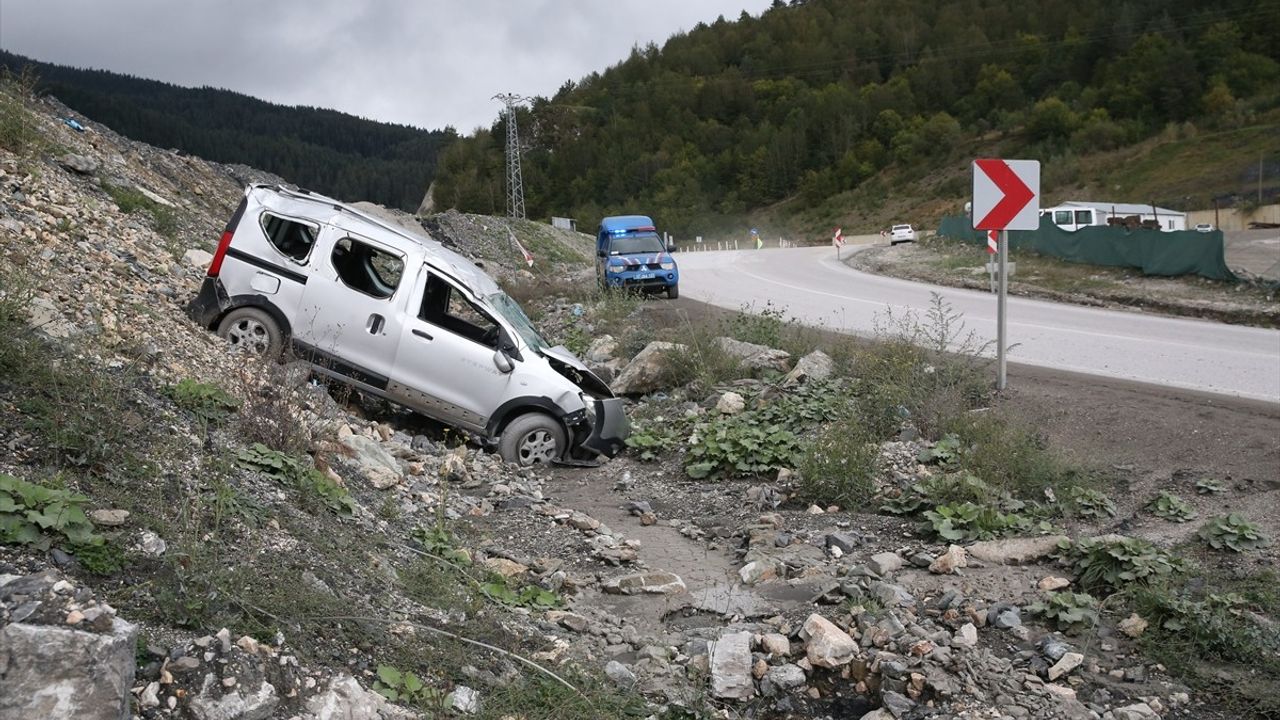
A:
x: 610, y: 430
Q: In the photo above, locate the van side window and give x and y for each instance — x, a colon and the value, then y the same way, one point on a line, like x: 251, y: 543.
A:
x: 1062, y: 217
x: 292, y: 238
x: 445, y: 307
x: 367, y: 269
x: 1084, y: 217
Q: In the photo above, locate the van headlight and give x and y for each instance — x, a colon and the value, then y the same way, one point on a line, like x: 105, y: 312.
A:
x: 617, y: 268
x: 589, y: 407
x: 669, y: 265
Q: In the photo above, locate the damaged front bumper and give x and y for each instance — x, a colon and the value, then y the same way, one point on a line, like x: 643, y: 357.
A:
x: 609, y: 428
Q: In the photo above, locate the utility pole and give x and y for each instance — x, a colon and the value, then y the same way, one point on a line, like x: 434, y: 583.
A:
x: 515, y: 186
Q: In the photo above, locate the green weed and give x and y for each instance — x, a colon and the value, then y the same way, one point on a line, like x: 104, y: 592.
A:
x: 1068, y: 610
x: 38, y: 515
x: 1233, y: 532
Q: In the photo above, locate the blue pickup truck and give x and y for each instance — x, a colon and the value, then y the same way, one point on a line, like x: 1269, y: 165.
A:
x: 631, y: 254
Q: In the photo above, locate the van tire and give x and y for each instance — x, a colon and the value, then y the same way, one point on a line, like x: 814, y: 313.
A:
x: 252, y: 330
x: 673, y: 291
x: 532, y: 438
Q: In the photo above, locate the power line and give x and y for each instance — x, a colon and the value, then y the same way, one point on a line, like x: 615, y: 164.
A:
x: 515, y: 185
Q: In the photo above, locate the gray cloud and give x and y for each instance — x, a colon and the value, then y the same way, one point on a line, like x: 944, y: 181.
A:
x: 429, y: 63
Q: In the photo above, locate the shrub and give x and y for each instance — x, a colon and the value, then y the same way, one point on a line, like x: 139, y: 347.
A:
x: 1067, y: 610
x: 310, y: 482
x: 408, y: 688
x: 19, y: 132
x: 1171, y: 507
x: 1012, y: 458
x: 1211, y: 632
x: 1209, y: 486
x: 653, y: 441
x: 33, y: 514
x: 1233, y: 532
x: 737, y: 446
x: 839, y: 467
x: 945, y: 452
x: 969, y: 521
x: 209, y: 403
x: 1112, y: 565
x: 1087, y: 502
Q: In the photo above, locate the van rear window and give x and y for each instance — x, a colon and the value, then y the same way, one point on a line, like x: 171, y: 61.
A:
x: 292, y: 238
x: 367, y: 269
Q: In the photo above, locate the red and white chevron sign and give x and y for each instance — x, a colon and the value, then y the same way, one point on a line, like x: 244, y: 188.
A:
x: 993, y: 242
x: 1006, y: 194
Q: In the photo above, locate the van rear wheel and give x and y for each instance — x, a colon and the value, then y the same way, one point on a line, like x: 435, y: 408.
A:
x: 531, y: 439
x: 253, y: 331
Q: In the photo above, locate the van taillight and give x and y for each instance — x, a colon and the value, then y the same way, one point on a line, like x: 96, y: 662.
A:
x: 216, y: 266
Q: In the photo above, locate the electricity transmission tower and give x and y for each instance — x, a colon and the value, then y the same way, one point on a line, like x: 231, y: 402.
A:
x: 515, y: 186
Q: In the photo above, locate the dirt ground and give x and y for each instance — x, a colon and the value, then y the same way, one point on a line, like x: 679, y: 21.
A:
x: 1155, y: 438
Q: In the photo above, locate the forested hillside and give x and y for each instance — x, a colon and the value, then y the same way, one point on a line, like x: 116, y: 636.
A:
x: 335, y: 153
x: 812, y: 99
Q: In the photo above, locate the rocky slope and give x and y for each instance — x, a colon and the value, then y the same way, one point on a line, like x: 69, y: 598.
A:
x: 185, y: 535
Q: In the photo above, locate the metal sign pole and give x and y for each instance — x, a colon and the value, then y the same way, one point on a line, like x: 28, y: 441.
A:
x: 1002, y: 380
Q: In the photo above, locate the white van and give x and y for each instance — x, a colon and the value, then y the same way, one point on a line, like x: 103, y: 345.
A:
x: 398, y: 315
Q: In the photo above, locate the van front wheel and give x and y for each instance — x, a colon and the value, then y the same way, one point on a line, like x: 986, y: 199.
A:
x: 530, y: 439
x: 252, y: 330
x: 673, y: 292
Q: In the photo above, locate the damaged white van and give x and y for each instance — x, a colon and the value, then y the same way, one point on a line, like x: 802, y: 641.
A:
x: 398, y: 315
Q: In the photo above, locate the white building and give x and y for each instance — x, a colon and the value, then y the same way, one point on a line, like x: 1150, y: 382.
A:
x: 1075, y: 214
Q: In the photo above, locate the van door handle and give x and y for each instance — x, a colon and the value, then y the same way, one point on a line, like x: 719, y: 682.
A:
x: 422, y: 334
x: 374, y: 326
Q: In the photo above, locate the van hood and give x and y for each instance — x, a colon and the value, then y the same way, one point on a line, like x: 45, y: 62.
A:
x: 567, y: 364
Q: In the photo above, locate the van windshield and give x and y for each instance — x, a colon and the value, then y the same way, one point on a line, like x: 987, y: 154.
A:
x: 632, y: 244
x: 512, y: 313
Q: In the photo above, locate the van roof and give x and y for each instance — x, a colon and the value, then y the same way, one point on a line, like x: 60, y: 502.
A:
x: 339, y: 214
x: 625, y: 222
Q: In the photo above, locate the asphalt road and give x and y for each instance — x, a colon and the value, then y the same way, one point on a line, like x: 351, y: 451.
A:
x: 810, y: 285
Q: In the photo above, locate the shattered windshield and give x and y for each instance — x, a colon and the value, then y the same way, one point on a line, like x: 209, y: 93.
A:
x: 631, y: 244
x: 513, y: 314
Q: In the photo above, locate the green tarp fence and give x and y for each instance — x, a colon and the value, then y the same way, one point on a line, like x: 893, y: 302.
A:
x: 1184, y: 252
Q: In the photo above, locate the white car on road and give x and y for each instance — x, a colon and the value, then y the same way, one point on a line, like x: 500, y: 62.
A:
x: 901, y: 233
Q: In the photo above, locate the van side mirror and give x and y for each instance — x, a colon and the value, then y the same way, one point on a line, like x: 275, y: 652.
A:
x: 672, y: 248
x: 601, y: 253
x: 502, y: 362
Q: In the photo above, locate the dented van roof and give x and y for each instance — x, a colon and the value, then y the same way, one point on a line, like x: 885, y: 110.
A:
x: 324, y: 209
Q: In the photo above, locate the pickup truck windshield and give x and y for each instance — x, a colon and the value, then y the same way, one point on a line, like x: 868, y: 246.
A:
x: 511, y: 312
x: 631, y: 244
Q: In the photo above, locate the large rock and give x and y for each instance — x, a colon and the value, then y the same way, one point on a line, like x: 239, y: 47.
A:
x: 377, y: 465
x: 731, y: 403
x: 817, y: 365
x: 602, y: 349
x: 756, y: 357
x: 242, y: 702
x: 82, y: 164
x: 1015, y: 551
x: 645, y: 373
x: 654, y: 583
x: 787, y: 676
x: 731, y: 667
x: 56, y: 673
x: 1137, y: 711
x: 197, y: 258
x: 828, y: 645
x: 346, y: 700
x: 885, y: 563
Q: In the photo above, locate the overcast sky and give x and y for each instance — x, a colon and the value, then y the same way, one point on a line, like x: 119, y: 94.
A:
x: 428, y: 63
